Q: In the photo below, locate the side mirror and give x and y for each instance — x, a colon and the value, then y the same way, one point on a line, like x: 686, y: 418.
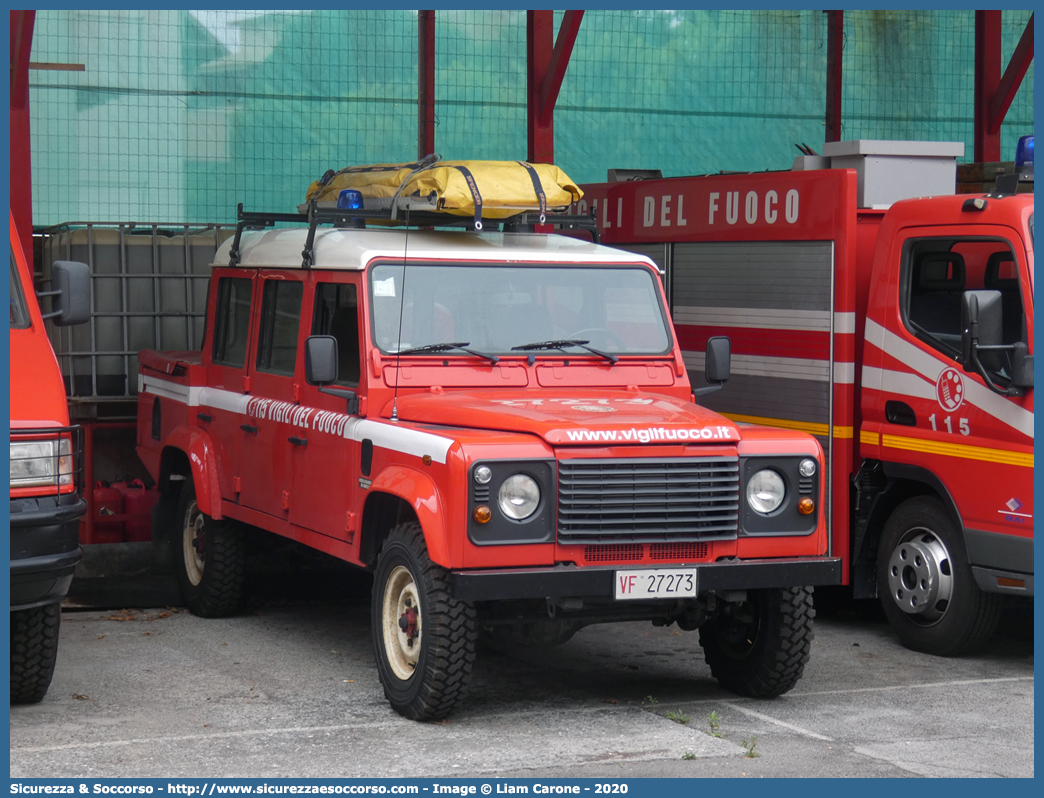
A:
x: 321, y: 369
x: 718, y: 364
x: 1022, y: 367
x: 70, y: 294
x: 982, y: 350
x: 320, y: 360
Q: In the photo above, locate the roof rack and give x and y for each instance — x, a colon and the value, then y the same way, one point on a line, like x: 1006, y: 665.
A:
x: 316, y: 213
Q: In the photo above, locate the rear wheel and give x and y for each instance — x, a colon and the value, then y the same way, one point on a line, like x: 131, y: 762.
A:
x: 211, y: 557
x: 424, y: 639
x: 926, y: 586
x: 34, y: 649
x: 759, y: 647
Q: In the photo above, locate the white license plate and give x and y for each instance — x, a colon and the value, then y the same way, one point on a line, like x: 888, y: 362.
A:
x: 652, y: 583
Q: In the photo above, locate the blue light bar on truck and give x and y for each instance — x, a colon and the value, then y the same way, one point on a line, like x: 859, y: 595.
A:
x: 349, y: 200
x: 1024, y: 152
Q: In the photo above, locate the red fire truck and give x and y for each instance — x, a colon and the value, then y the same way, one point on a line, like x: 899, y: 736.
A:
x: 46, y: 472
x: 500, y: 426
x: 897, y: 330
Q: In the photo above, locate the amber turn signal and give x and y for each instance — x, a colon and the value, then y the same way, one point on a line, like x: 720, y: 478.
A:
x: 806, y: 506
x: 482, y: 514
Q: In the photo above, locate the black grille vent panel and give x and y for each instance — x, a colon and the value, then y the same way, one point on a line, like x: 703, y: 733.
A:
x: 676, y: 499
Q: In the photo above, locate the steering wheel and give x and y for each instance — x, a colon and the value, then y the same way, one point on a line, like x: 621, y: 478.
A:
x: 608, y: 335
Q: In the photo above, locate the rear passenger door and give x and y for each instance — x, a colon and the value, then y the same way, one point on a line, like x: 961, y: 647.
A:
x: 272, y: 409
x: 326, y: 470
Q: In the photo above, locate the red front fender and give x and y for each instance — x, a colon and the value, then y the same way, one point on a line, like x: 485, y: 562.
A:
x: 200, y: 450
x: 418, y: 490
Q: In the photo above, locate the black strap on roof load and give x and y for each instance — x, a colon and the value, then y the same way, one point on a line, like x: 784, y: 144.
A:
x: 538, y: 188
x: 475, y: 195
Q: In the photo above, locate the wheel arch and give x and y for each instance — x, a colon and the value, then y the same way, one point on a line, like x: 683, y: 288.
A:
x: 399, y: 494
x: 903, y: 482
x: 190, y: 453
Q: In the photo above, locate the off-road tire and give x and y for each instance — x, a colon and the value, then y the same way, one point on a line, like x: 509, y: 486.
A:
x: 759, y: 648
x: 440, y: 670
x: 211, y: 581
x: 970, y: 616
x: 34, y: 649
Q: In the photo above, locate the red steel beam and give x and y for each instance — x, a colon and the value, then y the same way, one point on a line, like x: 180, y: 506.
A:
x: 425, y: 83
x: 539, y: 48
x: 835, y: 47
x: 21, y: 152
x: 1019, y: 64
x: 557, y: 67
x: 987, y: 79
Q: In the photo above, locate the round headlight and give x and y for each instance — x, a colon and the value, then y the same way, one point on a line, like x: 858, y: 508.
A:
x: 483, y: 475
x: 519, y: 497
x: 807, y: 467
x: 765, y: 491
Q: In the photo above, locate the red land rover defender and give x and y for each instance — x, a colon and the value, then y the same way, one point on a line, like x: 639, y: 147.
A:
x: 500, y: 427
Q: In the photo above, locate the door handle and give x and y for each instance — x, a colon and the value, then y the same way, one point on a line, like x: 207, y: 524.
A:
x: 298, y: 441
x: 900, y: 413
x: 204, y: 417
x: 248, y: 428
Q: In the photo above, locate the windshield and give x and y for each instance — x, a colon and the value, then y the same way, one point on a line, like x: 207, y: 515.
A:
x: 494, y: 309
x: 19, y: 314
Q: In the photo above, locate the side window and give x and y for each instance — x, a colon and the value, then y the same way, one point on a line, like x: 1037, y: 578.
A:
x: 232, y: 322
x: 337, y: 314
x: 280, y: 319
x: 936, y: 274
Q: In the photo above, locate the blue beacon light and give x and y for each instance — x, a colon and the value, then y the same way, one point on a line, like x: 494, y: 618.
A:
x: 349, y: 200
x: 1024, y: 152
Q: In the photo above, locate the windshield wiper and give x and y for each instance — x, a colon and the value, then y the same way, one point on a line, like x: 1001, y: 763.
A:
x: 446, y: 347
x: 562, y: 344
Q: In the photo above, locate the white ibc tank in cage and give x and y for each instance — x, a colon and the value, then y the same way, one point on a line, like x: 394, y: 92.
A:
x: 148, y: 291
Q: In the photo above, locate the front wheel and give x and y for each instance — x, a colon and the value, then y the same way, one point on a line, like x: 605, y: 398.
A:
x: 423, y: 638
x: 34, y: 649
x: 211, y: 559
x: 926, y: 586
x: 759, y: 647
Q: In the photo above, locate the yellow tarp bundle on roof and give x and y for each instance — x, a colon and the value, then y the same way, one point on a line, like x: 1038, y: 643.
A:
x: 504, y: 188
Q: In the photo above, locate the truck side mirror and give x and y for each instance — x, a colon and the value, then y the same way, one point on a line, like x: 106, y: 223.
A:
x: 321, y: 369
x: 320, y: 360
x: 1022, y: 367
x: 982, y: 350
x: 718, y: 364
x: 70, y: 294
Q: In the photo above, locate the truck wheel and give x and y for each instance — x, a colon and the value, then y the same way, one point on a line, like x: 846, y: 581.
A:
x: 926, y: 585
x: 34, y: 649
x: 424, y: 640
x: 759, y: 647
x: 211, y: 560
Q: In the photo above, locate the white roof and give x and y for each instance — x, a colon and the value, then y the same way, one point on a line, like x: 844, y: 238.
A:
x: 354, y: 249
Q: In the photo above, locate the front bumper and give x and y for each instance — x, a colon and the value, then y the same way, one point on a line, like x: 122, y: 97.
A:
x: 566, y: 581
x: 45, y: 548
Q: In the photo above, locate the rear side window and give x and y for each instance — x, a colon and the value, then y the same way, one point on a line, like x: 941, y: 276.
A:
x: 19, y: 314
x: 337, y: 314
x: 232, y: 322
x: 280, y: 320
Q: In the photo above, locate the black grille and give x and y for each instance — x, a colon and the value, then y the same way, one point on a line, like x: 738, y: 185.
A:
x: 691, y: 498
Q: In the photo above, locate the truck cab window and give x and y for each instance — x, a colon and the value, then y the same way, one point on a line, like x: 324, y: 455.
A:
x: 232, y: 321
x: 337, y: 314
x: 19, y: 315
x: 280, y: 319
x: 938, y: 272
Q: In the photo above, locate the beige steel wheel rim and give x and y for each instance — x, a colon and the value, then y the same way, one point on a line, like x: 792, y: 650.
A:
x: 193, y: 541
x: 400, y: 596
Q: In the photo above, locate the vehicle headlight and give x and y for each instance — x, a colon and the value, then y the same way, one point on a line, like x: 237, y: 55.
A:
x: 41, y: 463
x: 765, y: 491
x: 519, y: 496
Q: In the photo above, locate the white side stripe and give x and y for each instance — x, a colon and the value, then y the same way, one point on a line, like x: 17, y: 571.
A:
x: 900, y: 382
x: 755, y: 318
x: 930, y: 367
x: 788, y: 368
x: 383, y: 434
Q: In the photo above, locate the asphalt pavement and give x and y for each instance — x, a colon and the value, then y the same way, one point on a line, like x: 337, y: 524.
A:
x: 289, y: 689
